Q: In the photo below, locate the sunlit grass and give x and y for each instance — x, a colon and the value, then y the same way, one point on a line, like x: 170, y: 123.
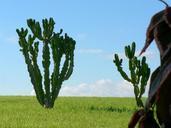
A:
x: 69, y: 112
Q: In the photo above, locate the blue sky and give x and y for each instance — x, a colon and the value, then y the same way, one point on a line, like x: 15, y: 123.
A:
x: 100, y: 28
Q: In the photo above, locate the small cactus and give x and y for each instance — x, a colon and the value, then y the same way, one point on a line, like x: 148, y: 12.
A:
x: 139, y: 72
x: 53, y: 43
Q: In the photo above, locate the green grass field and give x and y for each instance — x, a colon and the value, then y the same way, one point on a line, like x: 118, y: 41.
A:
x: 69, y: 112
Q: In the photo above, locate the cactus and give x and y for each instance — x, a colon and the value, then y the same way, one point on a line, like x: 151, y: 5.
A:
x: 139, y: 72
x: 55, y: 47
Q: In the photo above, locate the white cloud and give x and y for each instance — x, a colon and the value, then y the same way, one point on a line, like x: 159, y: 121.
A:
x: 150, y: 54
x: 81, y: 36
x: 110, y: 56
x: 90, y: 51
x: 101, y: 88
x: 32, y: 93
x: 12, y: 39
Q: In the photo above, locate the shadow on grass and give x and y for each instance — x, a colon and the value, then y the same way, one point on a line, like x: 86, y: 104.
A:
x: 112, y: 109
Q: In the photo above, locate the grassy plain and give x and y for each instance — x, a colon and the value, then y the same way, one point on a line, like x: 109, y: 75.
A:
x: 69, y: 112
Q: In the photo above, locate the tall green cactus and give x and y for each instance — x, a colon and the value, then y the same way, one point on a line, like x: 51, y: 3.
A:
x: 47, y: 86
x: 139, y: 72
